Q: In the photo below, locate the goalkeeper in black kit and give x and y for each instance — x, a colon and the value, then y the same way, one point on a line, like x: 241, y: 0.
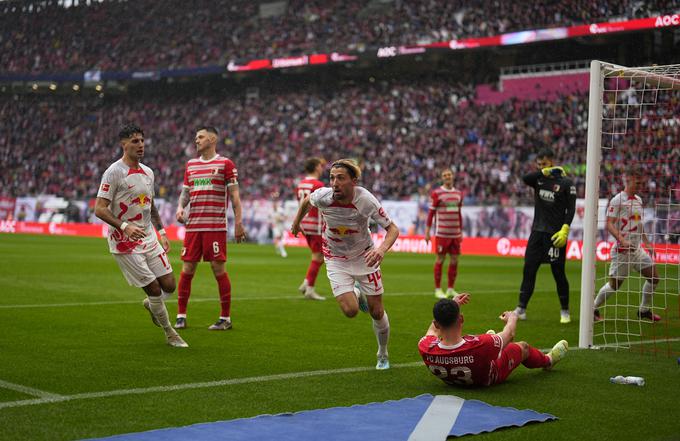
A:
x: 555, y: 205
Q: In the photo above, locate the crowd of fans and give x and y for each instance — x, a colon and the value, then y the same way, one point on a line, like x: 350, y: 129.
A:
x: 150, y: 34
x: 402, y: 133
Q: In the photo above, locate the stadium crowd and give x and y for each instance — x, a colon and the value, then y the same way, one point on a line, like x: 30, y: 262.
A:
x: 133, y: 35
x: 402, y: 133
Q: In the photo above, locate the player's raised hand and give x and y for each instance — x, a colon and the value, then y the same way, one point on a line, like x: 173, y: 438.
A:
x: 134, y: 232
x: 180, y: 215
x: 462, y: 299
x: 374, y: 257
x: 507, y: 315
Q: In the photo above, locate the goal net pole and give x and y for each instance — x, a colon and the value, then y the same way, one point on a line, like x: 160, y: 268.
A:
x: 593, y: 160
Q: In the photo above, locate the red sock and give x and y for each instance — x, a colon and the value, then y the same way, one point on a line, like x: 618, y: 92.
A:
x: 452, y: 273
x: 183, y: 292
x: 224, y: 286
x: 536, y: 359
x: 438, y: 274
x: 312, y: 272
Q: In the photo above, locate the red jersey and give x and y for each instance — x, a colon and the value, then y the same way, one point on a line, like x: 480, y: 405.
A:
x: 207, y: 182
x: 311, y: 223
x: 446, y: 206
x: 470, y: 362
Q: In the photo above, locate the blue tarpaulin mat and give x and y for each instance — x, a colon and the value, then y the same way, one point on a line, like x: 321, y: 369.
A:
x: 423, y: 417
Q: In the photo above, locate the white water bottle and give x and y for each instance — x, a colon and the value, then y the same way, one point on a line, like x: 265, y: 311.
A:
x: 620, y: 379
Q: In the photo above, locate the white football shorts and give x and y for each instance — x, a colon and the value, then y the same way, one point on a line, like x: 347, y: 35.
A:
x: 142, y: 269
x: 343, y: 273
x: 622, y: 263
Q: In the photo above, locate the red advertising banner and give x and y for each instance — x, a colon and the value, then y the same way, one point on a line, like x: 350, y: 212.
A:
x: 476, y: 246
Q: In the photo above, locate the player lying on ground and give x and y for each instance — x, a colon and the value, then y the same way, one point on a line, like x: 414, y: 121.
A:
x: 625, y: 223
x: 478, y: 360
x: 125, y: 202
x: 352, y: 261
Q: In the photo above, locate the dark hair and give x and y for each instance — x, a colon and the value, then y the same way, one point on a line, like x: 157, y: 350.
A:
x: 446, y: 312
x: 128, y: 130
x: 350, y: 165
x: 209, y: 129
x: 312, y: 163
x: 545, y: 153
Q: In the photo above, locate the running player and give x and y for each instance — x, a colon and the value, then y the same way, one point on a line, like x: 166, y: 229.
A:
x: 446, y: 203
x: 125, y: 202
x: 351, y: 258
x: 624, y: 222
x: 478, y: 360
x: 209, y: 181
x: 311, y: 225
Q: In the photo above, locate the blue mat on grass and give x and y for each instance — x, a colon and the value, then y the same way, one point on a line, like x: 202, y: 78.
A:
x: 422, y: 417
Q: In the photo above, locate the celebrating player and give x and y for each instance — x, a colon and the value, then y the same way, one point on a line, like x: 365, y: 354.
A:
x: 209, y: 181
x: 350, y: 255
x: 125, y: 202
x: 555, y: 205
x: 445, y: 205
x: 624, y: 222
x: 478, y: 360
x: 311, y: 225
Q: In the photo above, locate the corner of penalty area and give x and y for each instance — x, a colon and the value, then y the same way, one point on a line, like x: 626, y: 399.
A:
x: 424, y: 417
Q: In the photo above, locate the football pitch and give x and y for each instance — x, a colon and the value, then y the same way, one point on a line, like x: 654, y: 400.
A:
x: 80, y: 358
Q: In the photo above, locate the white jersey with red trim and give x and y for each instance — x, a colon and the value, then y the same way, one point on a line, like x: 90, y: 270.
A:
x: 131, y: 191
x: 345, y: 232
x: 311, y: 224
x: 207, y: 181
x: 627, y: 212
x: 447, y: 204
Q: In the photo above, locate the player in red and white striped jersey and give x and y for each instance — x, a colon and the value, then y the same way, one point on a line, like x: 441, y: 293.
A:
x: 446, y: 203
x: 209, y: 181
x: 311, y: 225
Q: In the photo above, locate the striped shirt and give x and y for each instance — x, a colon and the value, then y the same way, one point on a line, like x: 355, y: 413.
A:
x: 446, y: 205
x: 207, y: 181
x: 311, y: 223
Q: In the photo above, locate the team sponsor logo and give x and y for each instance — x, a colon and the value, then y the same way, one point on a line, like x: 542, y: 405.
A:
x: 547, y: 195
x: 105, y: 188
x: 343, y: 231
x: 202, y: 182
x: 140, y: 200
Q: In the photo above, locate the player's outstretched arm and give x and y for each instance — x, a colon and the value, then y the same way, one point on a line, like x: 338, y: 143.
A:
x: 462, y: 299
x: 432, y: 330
x: 103, y: 212
x: 239, y: 231
x: 508, y: 333
x: 303, y: 209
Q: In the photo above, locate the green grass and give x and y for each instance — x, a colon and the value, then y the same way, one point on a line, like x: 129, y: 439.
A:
x: 90, y: 347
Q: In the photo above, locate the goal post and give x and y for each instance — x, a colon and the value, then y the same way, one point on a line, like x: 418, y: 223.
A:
x: 633, y: 118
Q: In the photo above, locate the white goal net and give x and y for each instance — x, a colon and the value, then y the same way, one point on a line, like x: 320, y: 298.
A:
x: 633, y: 130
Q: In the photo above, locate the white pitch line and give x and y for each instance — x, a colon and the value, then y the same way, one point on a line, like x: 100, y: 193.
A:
x: 216, y: 299
x: 28, y: 390
x: 186, y: 386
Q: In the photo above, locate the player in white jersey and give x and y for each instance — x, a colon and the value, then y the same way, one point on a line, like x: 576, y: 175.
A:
x: 278, y: 223
x: 125, y: 202
x: 352, y: 260
x: 625, y: 223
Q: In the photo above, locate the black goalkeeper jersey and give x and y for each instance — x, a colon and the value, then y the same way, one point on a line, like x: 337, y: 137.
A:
x: 554, y: 201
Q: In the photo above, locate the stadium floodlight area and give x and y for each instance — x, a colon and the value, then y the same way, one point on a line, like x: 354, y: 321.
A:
x: 634, y: 119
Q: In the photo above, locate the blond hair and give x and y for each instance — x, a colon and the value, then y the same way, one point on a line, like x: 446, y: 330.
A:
x: 350, y: 165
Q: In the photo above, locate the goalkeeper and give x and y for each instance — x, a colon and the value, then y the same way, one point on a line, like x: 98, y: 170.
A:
x: 555, y: 205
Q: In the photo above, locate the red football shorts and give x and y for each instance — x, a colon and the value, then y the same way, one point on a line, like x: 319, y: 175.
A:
x: 314, y: 242
x: 211, y: 245
x: 511, y: 357
x: 448, y: 245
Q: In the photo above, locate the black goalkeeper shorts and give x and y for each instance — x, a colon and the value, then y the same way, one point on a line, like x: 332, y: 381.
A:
x: 540, y: 249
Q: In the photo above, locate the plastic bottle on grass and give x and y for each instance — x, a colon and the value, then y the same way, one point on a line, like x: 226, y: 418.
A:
x: 620, y: 379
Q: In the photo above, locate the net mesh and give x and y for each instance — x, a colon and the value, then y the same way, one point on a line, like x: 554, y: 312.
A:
x: 641, y: 129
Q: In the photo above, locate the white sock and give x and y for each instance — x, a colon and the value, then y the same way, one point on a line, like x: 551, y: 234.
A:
x: 158, y: 309
x: 225, y: 318
x: 647, y: 291
x: 165, y: 295
x: 381, y: 328
x: 605, y: 292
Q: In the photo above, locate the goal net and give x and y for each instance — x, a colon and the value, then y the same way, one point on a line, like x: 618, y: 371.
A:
x: 633, y: 128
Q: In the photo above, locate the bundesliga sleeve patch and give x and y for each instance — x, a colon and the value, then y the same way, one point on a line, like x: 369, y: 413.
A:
x: 105, y: 188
